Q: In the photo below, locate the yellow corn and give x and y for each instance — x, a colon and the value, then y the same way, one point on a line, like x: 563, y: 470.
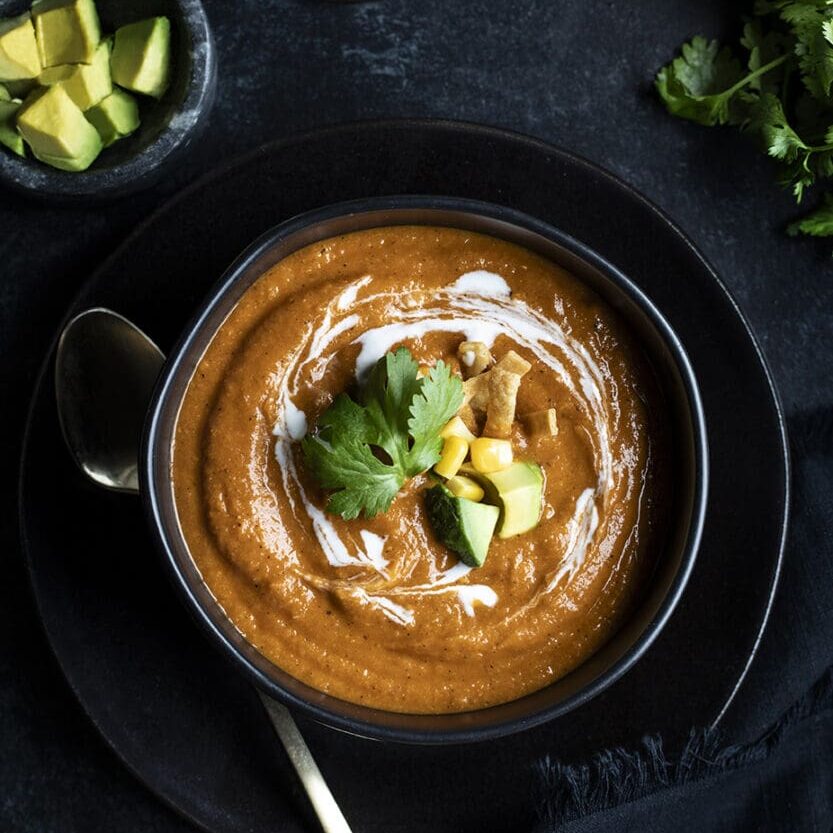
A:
x: 455, y: 450
x: 462, y: 486
x: 488, y: 455
x: 457, y: 428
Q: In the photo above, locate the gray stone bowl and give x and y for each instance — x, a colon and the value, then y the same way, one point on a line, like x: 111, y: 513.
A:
x: 168, y: 126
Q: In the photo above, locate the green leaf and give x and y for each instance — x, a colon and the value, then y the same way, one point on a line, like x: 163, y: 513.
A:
x: 391, y: 386
x: 764, y: 47
x: 363, y: 482
x: 793, y: 122
x: 440, y: 397
x: 818, y: 223
x: 810, y: 23
x: 780, y: 140
x: 364, y: 452
x: 349, y: 420
x: 699, y: 84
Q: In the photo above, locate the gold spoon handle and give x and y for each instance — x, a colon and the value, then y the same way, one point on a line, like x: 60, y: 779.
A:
x: 328, y: 812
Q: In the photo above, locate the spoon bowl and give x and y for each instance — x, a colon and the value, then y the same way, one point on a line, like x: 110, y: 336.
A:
x: 103, y: 358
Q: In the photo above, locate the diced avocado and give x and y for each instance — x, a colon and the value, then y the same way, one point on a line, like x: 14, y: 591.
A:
x: 68, y: 31
x: 86, y: 84
x: 8, y: 134
x: 19, y: 59
x: 142, y: 56
x: 51, y: 76
x: 464, y: 526
x: 57, y: 132
x: 4, y: 94
x: 517, y: 491
x: 73, y: 165
x: 115, y: 117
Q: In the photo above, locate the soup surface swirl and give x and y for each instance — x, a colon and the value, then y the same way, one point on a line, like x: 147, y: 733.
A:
x: 377, y: 611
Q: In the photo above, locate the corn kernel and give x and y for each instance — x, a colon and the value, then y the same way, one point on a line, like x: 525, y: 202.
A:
x: 455, y: 450
x: 457, y: 428
x: 489, y: 455
x: 462, y: 486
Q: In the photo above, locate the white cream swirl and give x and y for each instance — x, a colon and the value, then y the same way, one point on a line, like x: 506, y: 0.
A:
x: 479, y: 305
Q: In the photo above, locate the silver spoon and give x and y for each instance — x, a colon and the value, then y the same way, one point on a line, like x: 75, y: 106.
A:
x: 105, y: 370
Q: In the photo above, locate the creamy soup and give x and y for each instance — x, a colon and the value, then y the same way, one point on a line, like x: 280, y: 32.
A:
x: 378, y: 611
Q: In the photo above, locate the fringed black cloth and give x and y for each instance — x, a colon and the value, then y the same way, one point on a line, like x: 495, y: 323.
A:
x: 782, y: 780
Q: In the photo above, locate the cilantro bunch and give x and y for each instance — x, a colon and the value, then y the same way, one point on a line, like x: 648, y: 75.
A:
x: 781, y: 94
x: 364, y: 451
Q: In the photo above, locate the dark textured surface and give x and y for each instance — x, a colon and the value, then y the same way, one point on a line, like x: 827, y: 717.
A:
x: 575, y: 73
x: 142, y: 671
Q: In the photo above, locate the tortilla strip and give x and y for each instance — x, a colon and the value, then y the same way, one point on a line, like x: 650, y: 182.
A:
x: 503, y: 395
x: 514, y: 364
x: 474, y: 357
x: 476, y: 390
x: 541, y: 423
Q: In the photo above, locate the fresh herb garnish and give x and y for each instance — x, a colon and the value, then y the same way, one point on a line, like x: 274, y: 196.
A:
x: 365, y: 451
x: 782, y: 95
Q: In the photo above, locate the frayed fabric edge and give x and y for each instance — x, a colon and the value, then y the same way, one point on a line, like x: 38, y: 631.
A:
x: 618, y: 776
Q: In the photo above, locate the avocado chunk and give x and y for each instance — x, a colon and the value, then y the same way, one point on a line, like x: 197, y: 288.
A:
x: 115, y: 117
x: 4, y: 94
x: 8, y: 135
x: 19, y: 59
x: 85, y: 84
x: 57, y: 132
x: 142, y: 56
x: 464, y: 526
x: 517, y: 491
x: 68, y: 31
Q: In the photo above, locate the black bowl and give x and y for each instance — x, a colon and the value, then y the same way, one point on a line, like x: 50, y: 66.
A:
x: 689, y: 464
x: 168, y: 126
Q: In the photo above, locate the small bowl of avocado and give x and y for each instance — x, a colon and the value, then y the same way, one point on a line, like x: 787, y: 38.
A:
x: 98, y: 97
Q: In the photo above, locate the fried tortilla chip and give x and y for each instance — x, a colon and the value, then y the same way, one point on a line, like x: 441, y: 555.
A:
x: 476, y: 389
x: 474, y: 357
x: 514, y: 364
x: 503, y: 395
x: 541, y: 423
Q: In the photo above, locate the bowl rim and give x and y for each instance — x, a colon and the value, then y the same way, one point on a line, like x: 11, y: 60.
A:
x: 35, y: 179
x: 175, y: 366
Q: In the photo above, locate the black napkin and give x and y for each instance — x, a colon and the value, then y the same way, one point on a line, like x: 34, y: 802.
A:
x: 781, y: 779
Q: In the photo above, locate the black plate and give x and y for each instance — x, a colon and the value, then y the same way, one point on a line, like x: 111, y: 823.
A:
x: 171, y: 707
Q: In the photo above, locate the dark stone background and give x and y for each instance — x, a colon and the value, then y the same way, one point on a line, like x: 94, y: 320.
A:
x: 574, y: 72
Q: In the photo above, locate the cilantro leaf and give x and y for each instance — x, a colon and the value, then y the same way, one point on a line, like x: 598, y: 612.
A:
x: 391, y: 386
x: 780, y: 140
x: 363, y: 452
x: 818, y: 223
x: 764, y: 47
x: 811, y: 25
x: 793, y: 122
x: 361, y: 480
x: 700, y: 83
x: 440, y: 399
x: 706, y: 84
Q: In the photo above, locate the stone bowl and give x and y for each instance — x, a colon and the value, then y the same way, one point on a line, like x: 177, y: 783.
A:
x: 168, y: 127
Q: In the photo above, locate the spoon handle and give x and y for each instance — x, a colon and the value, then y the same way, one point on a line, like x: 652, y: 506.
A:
x: 328, y: 812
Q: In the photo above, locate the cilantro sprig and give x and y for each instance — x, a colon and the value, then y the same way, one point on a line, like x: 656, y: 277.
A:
x: 364, y: 451
x: 782, y: 94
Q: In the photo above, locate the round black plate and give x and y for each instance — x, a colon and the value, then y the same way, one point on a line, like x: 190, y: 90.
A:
x: 189, y: 727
